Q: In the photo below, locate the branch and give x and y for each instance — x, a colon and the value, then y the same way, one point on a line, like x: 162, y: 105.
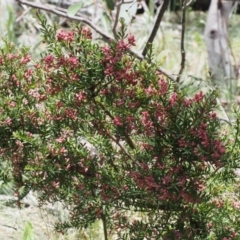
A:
x: 183, y: 53
x: 189, y: 3
x: 4, y: 225
x: 104, y: 222
x: 118, y: 9
x: 226, y: 118
x: 156, y: 26
x: 63, y: 13
x: 128, y: 138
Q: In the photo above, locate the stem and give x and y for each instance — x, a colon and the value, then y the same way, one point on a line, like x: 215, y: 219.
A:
x: 127, y: 137
x: 63, y: 13
x: 156, y: 26
x: 183, y: 53
x: 104, y: 221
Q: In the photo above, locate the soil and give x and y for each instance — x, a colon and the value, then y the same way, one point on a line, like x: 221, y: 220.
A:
x: 14, y: 222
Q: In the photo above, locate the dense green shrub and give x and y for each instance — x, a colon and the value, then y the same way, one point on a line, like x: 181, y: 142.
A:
x: 113, y: 138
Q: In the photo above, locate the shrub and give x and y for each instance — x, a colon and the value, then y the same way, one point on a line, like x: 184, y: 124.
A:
x: 113, y: 138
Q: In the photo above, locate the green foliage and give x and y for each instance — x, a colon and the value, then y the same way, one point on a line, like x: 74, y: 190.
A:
x: 108, y: 134
x: 10, y: 25
x: 73, y: 9
x: 28, y: 232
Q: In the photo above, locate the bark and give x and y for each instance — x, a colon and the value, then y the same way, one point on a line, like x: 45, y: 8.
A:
x: 217, y: 42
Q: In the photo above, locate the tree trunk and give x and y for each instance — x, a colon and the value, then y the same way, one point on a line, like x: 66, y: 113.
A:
x: 216, y: 38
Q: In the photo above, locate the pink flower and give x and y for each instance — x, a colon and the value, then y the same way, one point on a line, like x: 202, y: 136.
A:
x: 60, y: 139
x: 65, y: 36
x: 55, y: 184
x: 80, y: 97
x: 131, y: 40
x: 236, y: 204
x: 234, y: 234
x: 122, y: 46
x: 106, y: 51
x: 8, y: 121
x: 198, y: 97
x: 25, y: 59
x: 48, y: 59
x: 210, y: 224
x: 187, y: 102
x: 213, y: 115
x: 86, y: 32
x: 11, y: 56
x: 163, y: 86
x: 1, y: 60
x: 71, y: 113
x: 173, y: 98
x: 118, y: 121
x: 150, y: 91
x: 28, y: 73
x: 12, y: 104
x: 73, y: 61
x: 63, y: 151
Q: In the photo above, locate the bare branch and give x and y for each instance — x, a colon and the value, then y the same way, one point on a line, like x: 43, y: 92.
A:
x: 22, y: 15
x: 183, y: 53
x: 189, y: 3
x: 118, y: 9
x: 63, y: 13
x: 156, y: 25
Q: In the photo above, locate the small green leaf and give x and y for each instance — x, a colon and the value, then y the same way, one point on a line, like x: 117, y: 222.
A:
x: 110, y: 4
x: 28, y: 231
x: 73, y: 9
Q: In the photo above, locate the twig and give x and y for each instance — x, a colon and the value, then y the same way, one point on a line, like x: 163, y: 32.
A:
x: 104, y: 221
x: 128, y: 138
x: 189, y: 3
x: 118, y: 9
x: 62, y: 12
x: 183, y: 53
x: 120, y: 146
x: 228, y: 122
x: 156, y: 26
x: 4, y: 225
x: 23, y: 15
x: 226, y: 118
